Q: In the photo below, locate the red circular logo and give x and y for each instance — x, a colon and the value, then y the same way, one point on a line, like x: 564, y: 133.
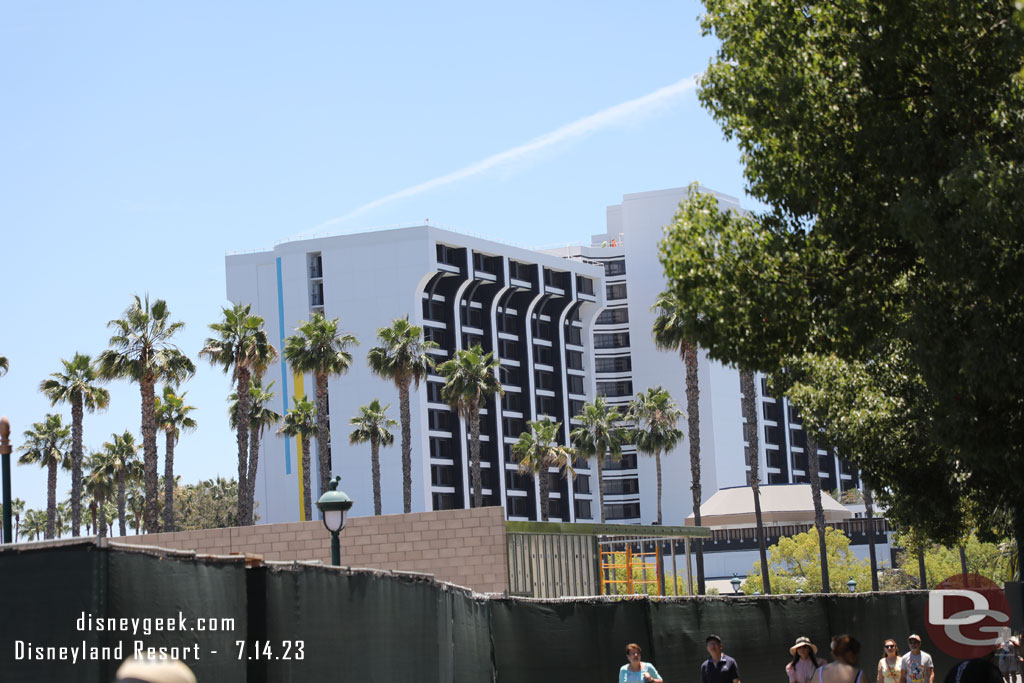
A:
x: 968, y: 616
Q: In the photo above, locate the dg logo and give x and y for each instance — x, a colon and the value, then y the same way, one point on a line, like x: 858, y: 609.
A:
x: 968, y: 616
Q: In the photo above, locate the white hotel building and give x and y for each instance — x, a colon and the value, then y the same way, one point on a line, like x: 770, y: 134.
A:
x: 565, y: 328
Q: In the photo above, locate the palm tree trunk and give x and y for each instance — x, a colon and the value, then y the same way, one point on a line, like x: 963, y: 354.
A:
x: 693, y: 427
x: 323, y: 432
x: 17, y: 527
x: 544, y: 482
x: 242, y: 438
x: 474, y: 455
x: 250, y: 484
x: 76, y: 465
x: 120, y: 502
x: 869, y: 510
x: 168, y: 484
x: 375, y: 473
x: 307, y: 495
x: 753, y: 440
x: 103, y: 518
x: 819, y: 511
x: 406, y: 417
x: 600, y: 482
x: 921, y: 570
x: 657, y: 465
x: 51, y: 498
x: 963, y: 559
x: 147, y: 385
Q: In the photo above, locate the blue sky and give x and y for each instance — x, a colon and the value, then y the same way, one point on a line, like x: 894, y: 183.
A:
x: 142, y: 141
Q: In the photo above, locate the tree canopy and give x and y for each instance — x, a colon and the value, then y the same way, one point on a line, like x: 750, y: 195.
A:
x: 882, y: 284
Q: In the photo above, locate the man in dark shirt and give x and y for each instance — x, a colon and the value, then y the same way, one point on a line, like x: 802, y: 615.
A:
x: 719, y: 667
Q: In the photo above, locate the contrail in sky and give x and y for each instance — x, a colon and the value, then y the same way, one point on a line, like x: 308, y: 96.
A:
x: 580, y: 127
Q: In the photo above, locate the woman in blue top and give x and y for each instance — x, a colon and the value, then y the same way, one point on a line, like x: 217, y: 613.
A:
x: 637, y: 670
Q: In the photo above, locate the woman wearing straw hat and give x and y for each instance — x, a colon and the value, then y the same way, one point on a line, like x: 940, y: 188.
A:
x: 805, y: 661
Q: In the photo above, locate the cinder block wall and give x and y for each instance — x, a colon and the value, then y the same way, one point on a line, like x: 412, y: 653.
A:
x: 464, y: 547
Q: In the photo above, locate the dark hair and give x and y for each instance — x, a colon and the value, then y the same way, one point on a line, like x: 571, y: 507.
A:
x: 633, y: 646
x: 845, y: 644
x: 711, y: 637
x: 895, y: 646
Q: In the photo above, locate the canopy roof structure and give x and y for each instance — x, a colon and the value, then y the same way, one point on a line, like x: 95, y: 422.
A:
x: 780, y: 504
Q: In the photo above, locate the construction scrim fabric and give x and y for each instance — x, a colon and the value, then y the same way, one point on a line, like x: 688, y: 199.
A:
x: 284, y: 622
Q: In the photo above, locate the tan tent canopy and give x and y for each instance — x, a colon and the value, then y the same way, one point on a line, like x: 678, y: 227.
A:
x: 780, y: 504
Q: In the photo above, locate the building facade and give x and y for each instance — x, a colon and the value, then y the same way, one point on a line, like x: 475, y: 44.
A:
x: 567, y: 324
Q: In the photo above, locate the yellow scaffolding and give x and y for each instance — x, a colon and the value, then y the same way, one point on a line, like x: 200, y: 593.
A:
x: 632, y: 561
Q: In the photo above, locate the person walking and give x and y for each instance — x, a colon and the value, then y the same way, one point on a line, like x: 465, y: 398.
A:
x: 1009, y: 659
x: 805, y: 661
x: 718, y: 667
x: 916, y: 666
x: 843, y: 668
x: 889, y: 665
x: 636, y: 670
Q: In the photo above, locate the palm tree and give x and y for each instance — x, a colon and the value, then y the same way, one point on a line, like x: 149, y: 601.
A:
x: 99, y: 482
x: 141, y: 351
x: 76, y: 386
x: 539, y: 451
x: 172, y: 416
x: 402, y: 357
x: 135, y: 501
x: 46, y: 444
x: 300, y: 421
x: 668, y: 336
x: 599, y: 435
x: 655, y: 415
x: 260, y: 417
x: 470, y: 379
x: 754, y: 476
x: 35, y: 524
x: 320, y: 349
x: 4, y: 366
x: 372, y: 425
x: 63, y: 523
x: 813, y: 473
x: 121, y: 452
x: 242, y: 348
x: 17, y: 509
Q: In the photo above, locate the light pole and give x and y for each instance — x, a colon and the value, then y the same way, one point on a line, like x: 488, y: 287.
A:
x: 5, y: 453
x: 851, y: 585
x: 334, y: 504
x: 735, y: 581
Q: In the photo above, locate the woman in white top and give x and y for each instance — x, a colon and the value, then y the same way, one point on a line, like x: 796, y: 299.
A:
x: 889, y: 665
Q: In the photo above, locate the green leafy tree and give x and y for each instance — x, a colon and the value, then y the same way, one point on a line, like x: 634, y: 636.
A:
x: 121, y: 456
x: 172, y: 415
x: 372, y: 425
x: 209, y: 504
x: 402, y: 356
x: 655, y: 417
x: 986, y: 558
x: 890, y: 246
x: 46, y: 444
x: 319, y: 348
x: 242, y: 348
x: 794, y: 563
x: 668, y: 337
x: 300, y: 422
x: 470, y: 380
x: 76, y: 386
x: 539, y: 452
x: 141, y: 351
x: 261, y: 416
x: 599, y: 435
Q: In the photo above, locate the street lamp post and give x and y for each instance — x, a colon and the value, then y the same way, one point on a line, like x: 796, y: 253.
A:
x: 735, y: 581
x: 851, y: 585
x: 5, y: 453
x: 334, y: 505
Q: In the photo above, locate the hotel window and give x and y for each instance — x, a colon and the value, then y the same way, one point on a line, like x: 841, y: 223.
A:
x: 615, y: 267
x: 613, y: 316
x: 546, y: 405
x: 622, y: 511
x: 617, y: 364
x: 508, y: 348
x: 434, y: 392
x: 508, y: 323
x: 316, y: 265
x: 509, y: 375
x: 621, y: 487
x: 444, y: 501
x: 434, y: 334
x: 519, y: 506
x: 470, y: 340
x: 485, y: 263
x: 510, y: 400
x: 575, y: 407
x: 542, y: 329
x: 585, y: 285
x: 440, y: 447
x: 582, y: 483
x: 439, y: 420
x: 615, y: 292
x: 543, y: 355
x: 574, y: 360
x: 575, y: 383
x: 442, y: 475
x: 448, y: 255
x: 615, y: 340
x: 545, y: 380
x: 516, y: 481
x: 513, y: 426
x: 583, y: 509
x: 573, y: 335
x: 433, y: 310
x: 614, y: 389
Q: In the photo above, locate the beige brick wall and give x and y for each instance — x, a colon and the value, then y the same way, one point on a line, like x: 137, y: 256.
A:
x: 464, y: 547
